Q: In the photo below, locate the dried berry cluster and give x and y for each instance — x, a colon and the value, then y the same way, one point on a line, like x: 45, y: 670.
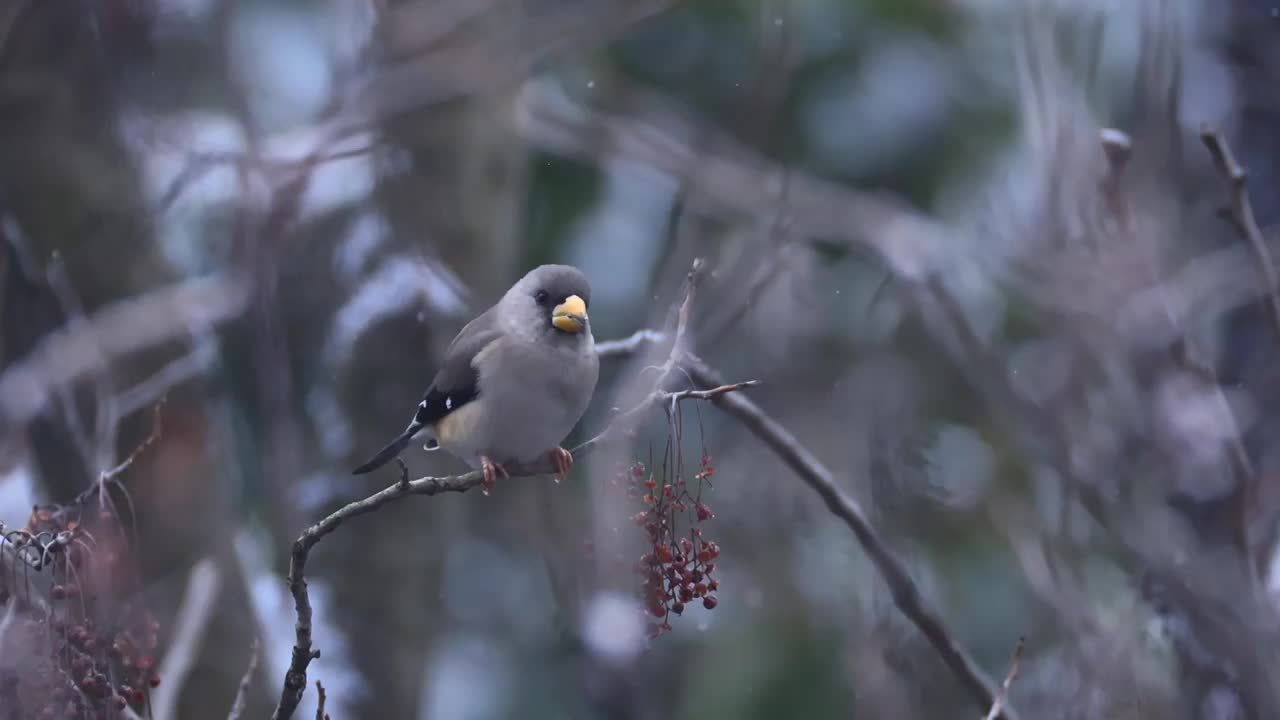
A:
x: 88, y: 654
x: 678, y: 568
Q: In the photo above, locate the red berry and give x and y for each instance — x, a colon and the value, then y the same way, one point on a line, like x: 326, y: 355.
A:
x: 709, y: 602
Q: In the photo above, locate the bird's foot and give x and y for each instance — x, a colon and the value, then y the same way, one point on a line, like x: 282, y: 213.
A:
x: 491, y: 471
x: 563, y: 461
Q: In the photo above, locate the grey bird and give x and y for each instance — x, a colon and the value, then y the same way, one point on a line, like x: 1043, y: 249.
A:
x: 515, y: 380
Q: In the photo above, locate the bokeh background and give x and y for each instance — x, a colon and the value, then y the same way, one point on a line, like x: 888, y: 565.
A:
x: 1033, y: 350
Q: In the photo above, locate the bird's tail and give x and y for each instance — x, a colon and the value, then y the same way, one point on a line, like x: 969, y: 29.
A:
x: 394, y: 448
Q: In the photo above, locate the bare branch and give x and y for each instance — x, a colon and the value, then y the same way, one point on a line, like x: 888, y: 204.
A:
x: 709, y: 393
x: 242, y: 694
x: 157, y: 428
x: 190, y: 626
x: 1240, y: 213
x: 727, y: 177
x: 499, y: 57
x: 320, y: 713
x: 176, y: 372
x: 906, y: 596
x: 630, y: 344
x: 1002, y: 697
x: 118, y: 329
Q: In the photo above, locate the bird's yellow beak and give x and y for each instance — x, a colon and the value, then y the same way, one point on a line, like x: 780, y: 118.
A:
x: 570, y: 315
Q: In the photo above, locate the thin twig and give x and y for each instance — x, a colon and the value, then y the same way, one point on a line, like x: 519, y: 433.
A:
x: 682, y: 324
x: 906, y: 595
x: 73, y: 315
x: 278, y: 170
x: 295, y: 680
x: 157, y: 428
x: 728, y: 178
x: 320, y: 713
x: 118, y: 329
x: 194, y: 616
x: 1002, y: 697
x: 630, y: 344
x: 709, y: 393
x: 1240, y: 212
x: 173, y: 374
x: 242, y: 694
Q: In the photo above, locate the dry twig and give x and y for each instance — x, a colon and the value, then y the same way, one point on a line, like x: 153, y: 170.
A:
x: 1240, y: 213
x: 194, y: 616
x: 320, y: 713
x: 629, y: 344
x: 1002, y: 697
x: 118, y: 329
x: 242, y: 694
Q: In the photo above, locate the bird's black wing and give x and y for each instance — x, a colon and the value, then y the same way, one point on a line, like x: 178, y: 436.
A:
x: 455, y: 385
x: 457, y: 382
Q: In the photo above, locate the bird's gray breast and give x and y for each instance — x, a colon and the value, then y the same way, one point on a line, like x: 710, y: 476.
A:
x: 531, y: 395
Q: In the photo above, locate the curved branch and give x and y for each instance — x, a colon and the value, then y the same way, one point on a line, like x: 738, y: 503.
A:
x: 906, y: 595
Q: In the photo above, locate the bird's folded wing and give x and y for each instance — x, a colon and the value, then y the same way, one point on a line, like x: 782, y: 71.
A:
x: 457, y: 382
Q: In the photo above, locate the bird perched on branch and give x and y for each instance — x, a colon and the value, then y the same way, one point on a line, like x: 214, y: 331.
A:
x: 514, y: 381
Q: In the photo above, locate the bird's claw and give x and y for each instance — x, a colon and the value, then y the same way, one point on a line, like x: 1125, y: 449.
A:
x: 491, y: 471
x: 563, y: 461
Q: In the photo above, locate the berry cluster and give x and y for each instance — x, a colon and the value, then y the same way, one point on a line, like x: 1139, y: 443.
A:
x: 678, y: 568
x: 90, y: 655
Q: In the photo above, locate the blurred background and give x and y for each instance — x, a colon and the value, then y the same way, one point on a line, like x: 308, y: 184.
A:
x: 976, y: 252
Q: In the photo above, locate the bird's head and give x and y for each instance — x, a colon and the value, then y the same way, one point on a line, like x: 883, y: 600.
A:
x: 551, y: 299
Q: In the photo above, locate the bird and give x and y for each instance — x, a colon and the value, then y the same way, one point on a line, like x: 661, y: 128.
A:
x: 514, y: 382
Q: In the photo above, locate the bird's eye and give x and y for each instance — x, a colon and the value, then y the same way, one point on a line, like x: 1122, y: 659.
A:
x: 541, y: 297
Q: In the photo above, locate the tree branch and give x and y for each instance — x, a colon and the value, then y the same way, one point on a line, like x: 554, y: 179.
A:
x: 906, y: 596
x: 121, y: 328
x: 194, y: 615
x: 1002, y: 697
x: 242, y: 694
x: 629, y: 344
x: 1240, y: 212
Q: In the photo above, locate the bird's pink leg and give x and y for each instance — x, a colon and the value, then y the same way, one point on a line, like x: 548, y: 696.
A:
x: 563, y: 460
x: 491, y: 471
